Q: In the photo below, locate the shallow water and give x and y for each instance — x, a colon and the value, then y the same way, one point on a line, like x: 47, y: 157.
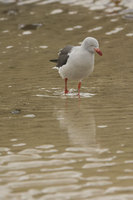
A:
x: 56, y: 146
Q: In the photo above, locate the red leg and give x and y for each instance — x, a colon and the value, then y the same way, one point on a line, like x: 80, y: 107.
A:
x: 79, y: 86
x: 66, y: 91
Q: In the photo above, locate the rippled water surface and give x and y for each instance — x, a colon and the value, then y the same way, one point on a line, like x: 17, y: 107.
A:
x: 56, y: 146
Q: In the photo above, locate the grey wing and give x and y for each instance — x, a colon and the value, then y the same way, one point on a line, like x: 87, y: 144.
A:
x: 64, y: 55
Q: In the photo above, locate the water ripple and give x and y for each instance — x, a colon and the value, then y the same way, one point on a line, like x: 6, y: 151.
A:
x: 57, y: 92
x: 97, y: 165
x: 34, y: 164
x: 61, y: 175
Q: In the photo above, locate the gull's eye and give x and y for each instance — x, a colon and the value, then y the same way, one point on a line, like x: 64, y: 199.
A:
x: 91, y: 45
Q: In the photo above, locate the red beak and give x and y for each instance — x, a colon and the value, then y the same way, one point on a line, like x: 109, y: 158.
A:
x: 98, y: 51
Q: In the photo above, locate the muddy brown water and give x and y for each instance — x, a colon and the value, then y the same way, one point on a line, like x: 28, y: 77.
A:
x: 54, y: 146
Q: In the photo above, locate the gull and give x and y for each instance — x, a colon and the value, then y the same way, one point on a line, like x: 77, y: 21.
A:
x: 77, y: 62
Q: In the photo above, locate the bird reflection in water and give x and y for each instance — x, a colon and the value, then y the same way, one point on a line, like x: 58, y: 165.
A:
x: 79, y: 122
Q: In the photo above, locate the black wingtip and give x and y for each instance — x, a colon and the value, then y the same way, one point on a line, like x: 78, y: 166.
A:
x: 54, y: 60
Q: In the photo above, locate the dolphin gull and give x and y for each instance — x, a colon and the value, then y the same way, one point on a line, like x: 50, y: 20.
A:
x: 77, y: 62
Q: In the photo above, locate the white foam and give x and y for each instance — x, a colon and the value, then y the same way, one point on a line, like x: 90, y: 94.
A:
x: 29, y: 115
x: 116, y: 30
x: 102, y: 126
x: 95, y: 29
x: 9, y: 47
x: 19, y: 145
x: 43, y: 47
x: 56, y: 11
x: 72, y: 12
x: 74, y: 27
x: 3, y: 19
x: 114, y: 20
x: 5, y: 31
x: 129, y: 34
x: 69, y: 29
x: 45, y: 146
x: 77, y: 27
x: 27, y: 32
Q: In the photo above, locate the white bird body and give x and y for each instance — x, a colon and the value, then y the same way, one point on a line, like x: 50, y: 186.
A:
x: 80, y: 64
x: 77, y: 63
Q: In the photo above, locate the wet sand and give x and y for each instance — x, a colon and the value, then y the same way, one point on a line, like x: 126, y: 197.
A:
x: 57, y: 146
